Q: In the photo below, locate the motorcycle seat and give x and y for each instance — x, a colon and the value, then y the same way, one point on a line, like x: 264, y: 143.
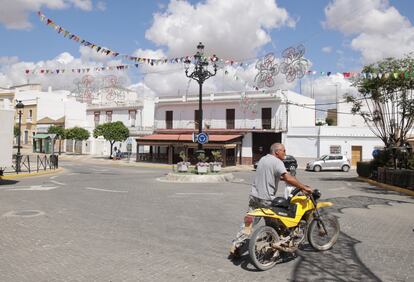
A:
x: 280, y: 202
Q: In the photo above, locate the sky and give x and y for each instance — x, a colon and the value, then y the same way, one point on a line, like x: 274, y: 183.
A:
x: 337, y: 36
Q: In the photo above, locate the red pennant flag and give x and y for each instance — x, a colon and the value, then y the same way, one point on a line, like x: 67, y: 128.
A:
x: 27, y: 71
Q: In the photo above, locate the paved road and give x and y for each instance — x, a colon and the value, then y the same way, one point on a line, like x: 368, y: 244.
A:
x: 106, y: 223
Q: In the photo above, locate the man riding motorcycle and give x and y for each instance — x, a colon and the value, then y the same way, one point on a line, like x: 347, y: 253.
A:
x: 270, y: 170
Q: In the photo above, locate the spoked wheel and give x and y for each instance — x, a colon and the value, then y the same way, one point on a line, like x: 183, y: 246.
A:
x: 261, y: 252
x: 318, y: 238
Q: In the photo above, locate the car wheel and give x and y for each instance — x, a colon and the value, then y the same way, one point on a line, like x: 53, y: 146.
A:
x: 317, y: 168
x: 345, y: 168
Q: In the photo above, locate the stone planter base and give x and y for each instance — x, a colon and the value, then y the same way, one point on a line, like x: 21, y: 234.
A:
x: 198, y: 178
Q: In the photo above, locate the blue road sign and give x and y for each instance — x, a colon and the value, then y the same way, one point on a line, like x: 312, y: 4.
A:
x: 202, y: 138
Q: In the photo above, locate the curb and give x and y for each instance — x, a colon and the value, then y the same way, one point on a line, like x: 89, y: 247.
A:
x: 33, y: 174
x: 387, y: 186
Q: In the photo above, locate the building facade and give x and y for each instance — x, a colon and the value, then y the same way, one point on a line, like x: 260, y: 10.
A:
x: 242, y: 125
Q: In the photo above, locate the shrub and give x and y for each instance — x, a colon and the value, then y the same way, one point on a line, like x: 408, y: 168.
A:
x: 364, y: 169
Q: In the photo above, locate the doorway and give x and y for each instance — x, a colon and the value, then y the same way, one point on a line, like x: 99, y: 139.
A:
x: 356, y: 155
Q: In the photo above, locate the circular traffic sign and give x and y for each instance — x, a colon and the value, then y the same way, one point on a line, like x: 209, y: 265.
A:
x: 202, y: 138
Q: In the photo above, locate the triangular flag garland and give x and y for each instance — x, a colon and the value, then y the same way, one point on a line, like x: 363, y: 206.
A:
x: 79, y: 70
x: 109, y: 52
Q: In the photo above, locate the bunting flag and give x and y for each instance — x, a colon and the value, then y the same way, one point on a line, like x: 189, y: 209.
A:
x: 350, y: 75
x: 109, y: 52
x: 78, y: 70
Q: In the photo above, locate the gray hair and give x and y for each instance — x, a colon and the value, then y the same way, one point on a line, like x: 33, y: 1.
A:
x: 275, y: 147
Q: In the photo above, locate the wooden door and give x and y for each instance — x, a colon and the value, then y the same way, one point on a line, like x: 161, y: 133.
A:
x: 356, y: 155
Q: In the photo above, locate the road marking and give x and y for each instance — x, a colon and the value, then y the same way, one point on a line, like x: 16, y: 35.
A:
x: 53, y: 177
x: 73, y: 173
x: 34, y: 188
x: 100, y: 169
x: 105, y: 190
x: 57, y: 182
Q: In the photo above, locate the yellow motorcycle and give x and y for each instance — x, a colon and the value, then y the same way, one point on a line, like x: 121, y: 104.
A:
x: 287, y: 224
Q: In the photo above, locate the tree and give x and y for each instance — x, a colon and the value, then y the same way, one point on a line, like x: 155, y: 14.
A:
x: 385, y: 99
x: 60, y: 134
x: 112, y: 132
x: 77, y: 134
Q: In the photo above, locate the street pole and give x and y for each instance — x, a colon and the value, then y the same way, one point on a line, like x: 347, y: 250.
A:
x: 200, y: 112
x: 200, y: 74
x: 19, y: 106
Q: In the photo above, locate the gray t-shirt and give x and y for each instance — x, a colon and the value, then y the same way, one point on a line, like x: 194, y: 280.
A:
x: 266, y: 180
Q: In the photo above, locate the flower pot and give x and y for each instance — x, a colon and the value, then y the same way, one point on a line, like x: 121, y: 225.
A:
x: 182, y: 167
x: 215, y: 167
x: 201, y: 169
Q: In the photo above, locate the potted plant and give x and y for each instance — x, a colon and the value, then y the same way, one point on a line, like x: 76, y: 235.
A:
x: 202, y: 165
x: 184, y: 164
x: 215, y: 166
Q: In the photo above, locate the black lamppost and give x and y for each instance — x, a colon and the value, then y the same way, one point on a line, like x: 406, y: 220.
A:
x: 200, y: 74
x: 19, y: 106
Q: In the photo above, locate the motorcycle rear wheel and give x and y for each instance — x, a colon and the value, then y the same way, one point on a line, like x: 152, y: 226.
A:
x: 317, y: 237
x: 261, y: 253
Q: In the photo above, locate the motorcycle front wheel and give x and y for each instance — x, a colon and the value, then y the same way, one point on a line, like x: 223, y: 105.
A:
x: 318, y: 238
x: 261, y: 252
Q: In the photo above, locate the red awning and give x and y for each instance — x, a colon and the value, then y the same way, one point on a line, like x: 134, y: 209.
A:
x: 186, y: 137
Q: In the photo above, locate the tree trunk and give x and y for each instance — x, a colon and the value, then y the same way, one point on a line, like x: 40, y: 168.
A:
x: 60, y: 146
x: 112, y: 144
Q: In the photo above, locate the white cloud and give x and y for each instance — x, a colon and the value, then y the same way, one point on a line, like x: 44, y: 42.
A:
x: 101, y: 6
x: 219, y: 25
x: 327, y: 90
x: 15, y: 14
x: 378, y: 29
x: 327, y: 49
x: 13, y: 71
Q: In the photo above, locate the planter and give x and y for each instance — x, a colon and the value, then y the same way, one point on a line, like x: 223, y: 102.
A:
x: 215, y: 167
x: 202, y: 169
x: 182, y: 167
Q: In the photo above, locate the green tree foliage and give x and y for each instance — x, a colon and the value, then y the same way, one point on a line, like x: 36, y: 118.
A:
x: 112, y: 132
x: 60, y: 134
x: 77, y: 133
x: 385, y: 99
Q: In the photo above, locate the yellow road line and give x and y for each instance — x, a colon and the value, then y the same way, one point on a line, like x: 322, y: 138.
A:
x: 33, y: 174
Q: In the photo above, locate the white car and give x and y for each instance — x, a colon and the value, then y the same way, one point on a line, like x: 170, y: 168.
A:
x: 329, y: 162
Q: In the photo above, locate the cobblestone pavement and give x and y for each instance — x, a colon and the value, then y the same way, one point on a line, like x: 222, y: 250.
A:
x: 108, y: 223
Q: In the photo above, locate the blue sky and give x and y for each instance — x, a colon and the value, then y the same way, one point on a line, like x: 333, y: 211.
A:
x: 339, y: 36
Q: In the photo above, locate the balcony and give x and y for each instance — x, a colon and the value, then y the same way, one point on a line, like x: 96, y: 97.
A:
x: 29, y: 120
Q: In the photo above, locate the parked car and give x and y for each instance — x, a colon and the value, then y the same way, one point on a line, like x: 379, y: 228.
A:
x: 329, y: 162
x: 290, y: 162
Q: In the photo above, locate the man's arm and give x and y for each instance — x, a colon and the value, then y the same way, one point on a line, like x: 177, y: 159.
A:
x: 294, y: 182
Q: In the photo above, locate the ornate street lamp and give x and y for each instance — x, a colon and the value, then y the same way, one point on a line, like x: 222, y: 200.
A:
x: 19, y: 107
x: 200, y: 74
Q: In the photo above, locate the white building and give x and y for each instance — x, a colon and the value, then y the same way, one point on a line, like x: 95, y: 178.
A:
x: 134, y: 112
x: 6, y: 136
x: 242, y: 125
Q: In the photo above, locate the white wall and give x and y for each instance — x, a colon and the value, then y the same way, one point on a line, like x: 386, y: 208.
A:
x: 75, y: 113
x: 312, y: 142
x: 215, y: 105
x: 6, y: 137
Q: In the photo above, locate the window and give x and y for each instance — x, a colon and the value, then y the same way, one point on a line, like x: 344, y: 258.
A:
x: 96, y: 117
x: 132, y: 117
x: 335, y: 149
x: 266, y: 118
x: 196, y: 118
x: 230, y: 118
x: 109, y: 116
x: 30, y: 113
x: 169, y: 119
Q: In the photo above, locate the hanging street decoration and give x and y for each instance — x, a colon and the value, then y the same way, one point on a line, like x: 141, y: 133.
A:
x: 106, y: 89
x: 248, y: 105
x: 267, y: 70
x: 294, y: 65
x: 79, y: 70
